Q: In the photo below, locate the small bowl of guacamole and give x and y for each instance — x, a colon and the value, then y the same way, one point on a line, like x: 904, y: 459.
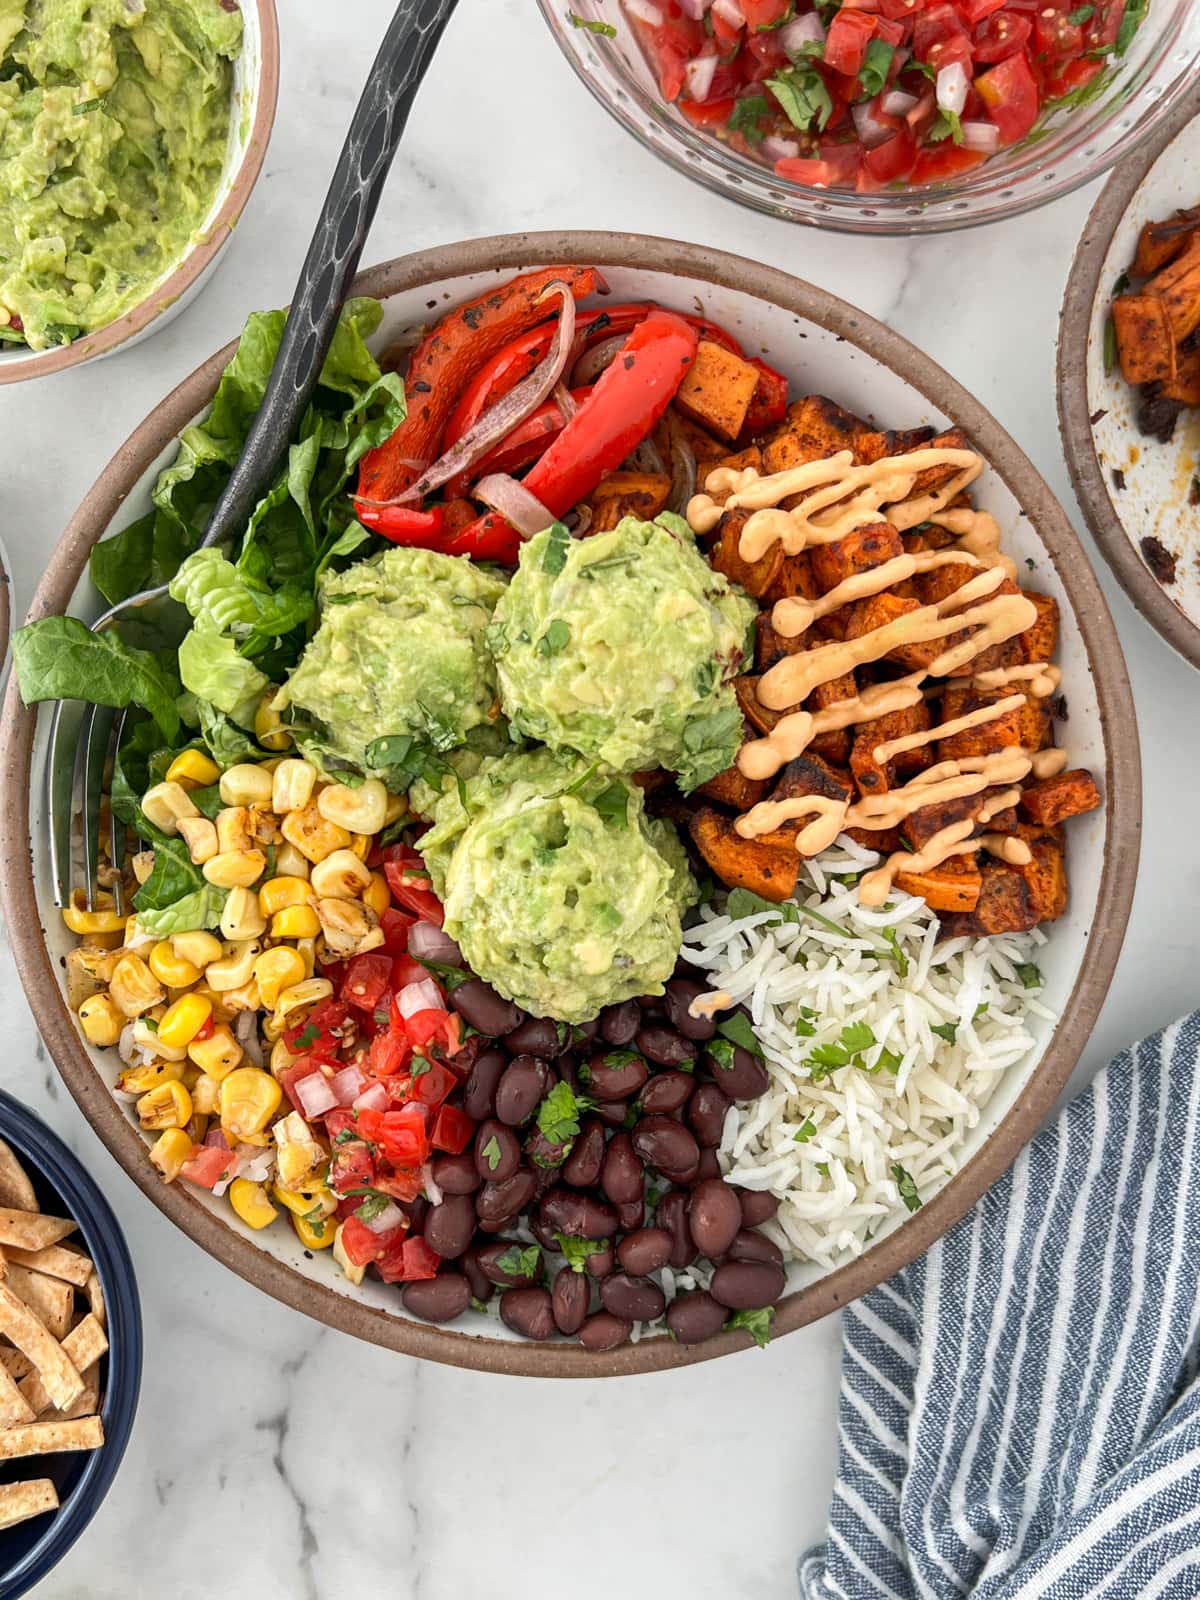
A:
x: 131, y: 135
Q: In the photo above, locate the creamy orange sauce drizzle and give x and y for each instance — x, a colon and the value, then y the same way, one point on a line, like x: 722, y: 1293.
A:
x: 884, y: 752
x: 1043, y: 679
x: 796, y: 614
x: 707, y: 1005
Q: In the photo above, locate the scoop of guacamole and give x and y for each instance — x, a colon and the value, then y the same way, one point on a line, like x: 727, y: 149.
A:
x: 622, y: 646
x: 114, y: 121
x: 398, y: 662
x: 560, y: 891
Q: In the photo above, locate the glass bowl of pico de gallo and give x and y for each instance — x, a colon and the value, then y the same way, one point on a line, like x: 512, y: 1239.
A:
x: 885, y: 116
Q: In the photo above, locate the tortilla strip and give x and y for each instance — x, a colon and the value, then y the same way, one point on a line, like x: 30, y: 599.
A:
x: 14, y: 1406
x: 95, y: 1296
x: 62, y: 1381
x: 48, y: 1438
x: 20, y: 1501
x: 15, y: 1187
x: 3, y: 1266
x: 83, y: 1346
x: 15, y: 1362
x: 88, y: 1402
x: 50, y: 1300
x: 56, y: 1261
x: 30, y: 1230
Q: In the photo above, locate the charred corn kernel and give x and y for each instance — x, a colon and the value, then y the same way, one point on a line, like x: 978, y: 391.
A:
x: 241, y: 916
x: 277, y: 969
x: 360, y: 844
x: 397, y: 807
x: 235, y: 968
x: 181, y: 1022
x: 249, y: 1099
x: 140, y: 1080
x: 100, y: 1020
x: 193, y: 766
x: 245, y: 785
x: 165, y: 803
x: 143, y: 865
x: 377, y: 897
x: 279, y: 893
x: 362, y: 810
x: 197, y: 946
x: 268, y: 725
x: 134, y: 987
x: 145, y: 1036
x: 298, y: 996
x: 235, y: 829
x: 169, y: 967
x: 170, y: 1150
x: 348, y: 928
x: 244, y: 998
x: 235, y: 869
x: 168, y: 1106
x: 250, y: 1201
x: 96, y: 963
x: 205, y: 1095
x: 308, y: 949
x: 312, y: 834
x: 289, y: 863
x: 200, y: 836
x: 341, y: 876
x: 355, y: 1274
x: 309, y: 1199
x: 299, y: 1162
x: 218, y: 1054
x: 104, y: 919
x: 297, y: 922
x: 292, y: 785
x: 281, y: 1057
x: 316, y: 1235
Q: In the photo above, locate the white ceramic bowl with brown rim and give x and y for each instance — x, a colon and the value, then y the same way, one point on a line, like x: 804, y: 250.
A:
x: 1135, y: 490
x: 823, y: 345
x: 252, y: 116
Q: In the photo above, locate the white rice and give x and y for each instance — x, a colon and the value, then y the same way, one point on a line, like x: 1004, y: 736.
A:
x: 838, y: 1186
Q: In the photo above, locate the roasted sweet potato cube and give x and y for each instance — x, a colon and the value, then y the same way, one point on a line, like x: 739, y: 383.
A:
x: 757, y: 714
x: 743, y: 863
x: 874, y: 777
x: 929, y: 537
x: 1008, y: 653
x: 816, y: 427
x: 861, y: 550
x: 809, y: 774
x: 770, y: 646
x: 942, y: 582
x: 1005, y: 905
x: 733, y: 788
x: 1034, y: 718
x: 717, y: 390
x: 1178, y: 287
x: 931, y: 478
x: 756, y: 577
x: 1046, y: 879
x: 986, y: 738
x: 834, y: 745
x: 1053, y: 800
x: 921, y: 825
x: 880, y: 609
x: 885, y: 840
x: 740, y: 461
x: 902, y: 441
x: 707, y: 450
x: 1040, y: 639
x: 953, y: 886
x: 1145, y: 343
x: 628, y: 494
x: 1006, y: 821
x: 1160, y: 242
x: 1185, y: 385
x: 795, y: 577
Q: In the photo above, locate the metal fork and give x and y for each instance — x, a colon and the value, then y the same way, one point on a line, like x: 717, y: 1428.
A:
x: 84, y: 738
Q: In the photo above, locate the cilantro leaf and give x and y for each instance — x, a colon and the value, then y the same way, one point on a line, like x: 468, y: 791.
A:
x: 945, y: 1030
x: 757, y: 1324
x: 612, y: 803
x: 604, y: 29
x: 888, y: 1060
x: 373, y: 1206
x: 1030, y: 975
x: 1080, y: 15
x: 559, y: 1113
x: 907, y: 1187
x: 738, y: 1029
x: 857, y: 1036
x: 518, y: 1263
x: 491, y: 1153
x: 555, y: 639
x: 805, y: 1132
x: 554, y: 556
x: 578, y: 1250
x: 873, y: 74
x: 744, y: 118
x: 308, y: 1035
x: 803, y: 97
x: 946, y: 125
x: 901, y: 959
x: 745, y: 903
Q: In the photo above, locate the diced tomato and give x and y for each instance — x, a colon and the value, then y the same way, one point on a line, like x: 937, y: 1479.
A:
x: 441, y: 1029
x: 351, y: 1166
x: 890, y: 32
x: 1101, y: 29
x: 1056, y: 37
x: 413, y: 1261
x: 935, y: 31
x: 672, y: 45
x: 433, y: 1085
x: 387, y: 1054
x: 410, y: 886
x: 838, y: 165
x: 406, y: 970
x: 402, y: 1183
x: 395, y: 925
x: 1011, y: 96
x: 892, y: 160
x: 208, y: 1164
x: 1074, y: 75
x: 404, y: 1136
x: 766, y: 49
x: 366, y: 979
x: 321, y: 1033
x: 453, y: 1130
x: 846, y: 42
x: 764, y: 13
x: 974, y: 11
x: 1001, y: 36
x: 362, y: 1246
x: 341, y: 1120
x: 941, y: 161
x: 710, y: 113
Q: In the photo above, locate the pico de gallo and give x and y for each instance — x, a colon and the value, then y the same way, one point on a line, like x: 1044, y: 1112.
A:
x: 878, y: 93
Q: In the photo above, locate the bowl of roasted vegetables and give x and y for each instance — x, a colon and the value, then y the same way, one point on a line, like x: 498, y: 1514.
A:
x: 601, y: 872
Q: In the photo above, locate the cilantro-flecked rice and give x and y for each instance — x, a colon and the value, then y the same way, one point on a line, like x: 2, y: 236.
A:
x: 883, y: 1047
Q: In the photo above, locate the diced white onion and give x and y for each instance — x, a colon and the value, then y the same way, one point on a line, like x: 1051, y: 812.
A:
x: 347, y: 1084
x: 645, y: 12
x: 315, y: 1095
x: 430, y: 1189
x: 699, y: 75
x: 254, y: 1162
x: 952, y: 85
x: 867, y: 124
x: 794, y: 35
x: 897, y: 103
x: 390, y: 1217
x: 694, y: 8
x: 776, y: 149
x: 423, y: 996
x: 983, y: 136
x: 373, y: 1099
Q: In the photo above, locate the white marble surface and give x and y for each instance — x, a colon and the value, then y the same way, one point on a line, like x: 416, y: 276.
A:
x: 273, y: 1460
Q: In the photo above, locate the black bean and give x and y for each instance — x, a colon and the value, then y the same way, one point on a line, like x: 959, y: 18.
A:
x: 706, y: 1112
x: 663, y: 1045
x: 672, y: 1215
x: 478, y: 1004
x: 439, y: 1299
x: 570, y: 1297
x: 567, y: 1068
x: 579, y: 1215
x: 746, y: 1079
x: 750, y: 1245
x: 450, y: 1227
x: 622, y: 1177
x: 757, y: 1206
x: 601, y: 1262
x: 645, y: 1250
x: 582, y: 1166
x: 613, y: 1113
x: 746, y: 1285
x: 500, y: 1202
x: 417, y: 1210
x: 528, y: 1312
x: 455, y: 1174
x: 714, y: 1216
x: 544, y: 1235
x: 709, y: 1166
x: 618, y: 1024
x: 666, y: 1092
x: 497, y: 1151
x: 618, y: 1075
x: 546, y: 1155
x: 521, y: 1087
x: 582, y: 1033
x: 479, y: 1096
x: 635, y: 1299
x: 678, y: 999
x: 652, y: 1004
x: 520, y: 1268
x: 695, y: 1316
x: 631, y: 1215
x: 604, y: 1332
x: 539, y: 1036
x: 667, y: 1146
x: 481, y: 1286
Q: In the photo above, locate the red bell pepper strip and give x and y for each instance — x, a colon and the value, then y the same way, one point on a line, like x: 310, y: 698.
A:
x: 768, y: 404
x: 489, y: 538
x: 629, y: 398
x: 443, y: 364
x: 522, y: 446
x: 405, y: 525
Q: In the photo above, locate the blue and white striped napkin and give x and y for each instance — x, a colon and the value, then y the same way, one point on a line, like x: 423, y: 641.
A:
x: 1020, y: 1408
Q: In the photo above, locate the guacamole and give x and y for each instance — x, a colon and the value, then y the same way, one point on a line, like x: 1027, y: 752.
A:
x: 561, y: 892
x: 622, y: 646
x: 114, y: 122
x: 398, y: 660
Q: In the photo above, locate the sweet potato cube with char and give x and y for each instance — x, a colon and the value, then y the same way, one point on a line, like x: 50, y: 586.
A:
x: 1005, y: 905
x: 756, y: 577
x: 903, y: 441
x: 1046, y: 879
x: 868, y: 615
x: 707, y: 450
x: 748, y: 460
x: 733, y: 788
x: 795, y: 577
x: 833, y: 745
x: 745, y: 688
x: 1145, y: 343
x: 1040, y: 639
x: 1034, y: 719
x: 874, y: 777
x: 816, y: 427
x: 861, y: 550
x: 986, y: 738
x: 1052, y: 801
x: 806, y: 775
x: 628, y: 494
x: 930, y: 479
x: 885, y: 840
x: 939, y: 583
x: 920, y: 825
x: 1178, y: 287
x: 1185, y: 385
x: 955, y: 885
x: 717, y: 390
x: 770, y: 646
x: 743, y: 863
x: 1160, y: 242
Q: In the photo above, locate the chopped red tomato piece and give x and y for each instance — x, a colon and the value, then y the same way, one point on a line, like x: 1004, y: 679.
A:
x: 411, y: 888
x: 351, y: 1166
x: 1010, y: 94
x: 362, y: 1246
x: 1001, y: 36
x: 321, y: 1032
x: 431, y: 1081
x: 942, y: 161
x: 893, y: 159
x: 404, y: 1135
x: 366, y: 979
x: 413, y: 1261
x: 764, y: 13
x: 387, y: 1055
x: 453, y: 1130
x: 208, y: 1164
x: 395, y: 925
x: 846, y: 42
x: 403, y: 1183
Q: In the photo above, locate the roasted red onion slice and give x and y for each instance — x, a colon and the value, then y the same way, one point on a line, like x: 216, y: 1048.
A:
x: 514, y: 503
x: 593, y: 362
x: 683, y: 463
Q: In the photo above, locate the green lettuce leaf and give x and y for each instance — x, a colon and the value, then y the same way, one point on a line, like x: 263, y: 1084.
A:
x: 200, y: 909
x: 211, y: 667
x: 59, y: 658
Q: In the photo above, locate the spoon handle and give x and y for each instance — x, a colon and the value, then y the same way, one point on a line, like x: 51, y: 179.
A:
x: 333, y: 255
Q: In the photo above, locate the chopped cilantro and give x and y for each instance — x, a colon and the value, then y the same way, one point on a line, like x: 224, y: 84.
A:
x: 450, y: 978
x: 901, y: 959
x: 554, y: 556
x: 344, y: 1136
x: 373, y: 1206
x: 555, y: 639
x: 559, y: 1113
x: 906, y: 1186
x: 578, y: 1250
x: 857, y: 1036
x: 604, y: 29
x: 307, y: 1036
x: 873, y: 74
x: 518, y: 1263
x: 612, y: 804
x: 1030, y: 975
x: 491, y: 1153
x: 946, y: 125
x: 478, y: 1305
x: 804, y: 97
x: 945, y: 1030
x: 745, y: 117
x: 804, y: 1133
x: 737, y: 1028
x: 888, y: 1060
x: 804, y: 1028
x: 420, y: 1066
x: 823, y: 1168
x: 757, y: 1324
x: 1080, y: 15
